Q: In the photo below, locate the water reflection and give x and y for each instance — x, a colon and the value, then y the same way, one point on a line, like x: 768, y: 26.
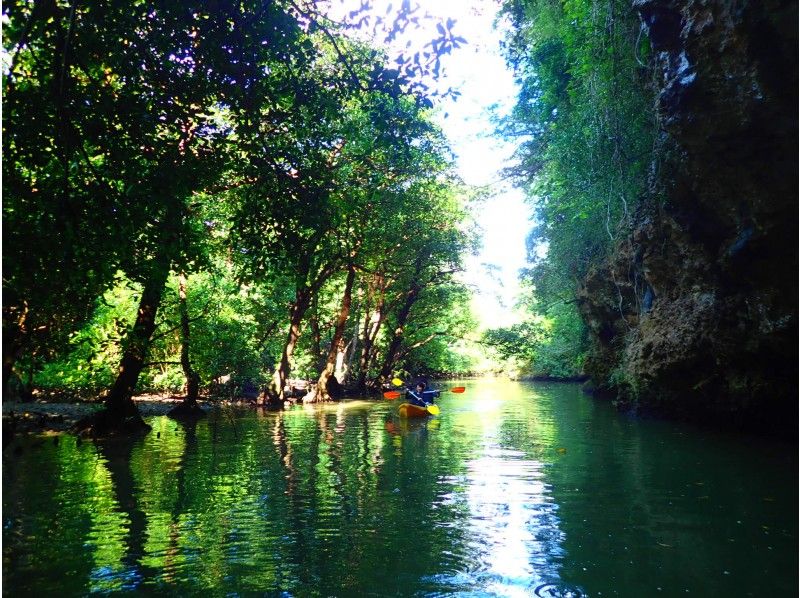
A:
x: 127, y: 526
x: 514, y: 521
x: 513, y: 491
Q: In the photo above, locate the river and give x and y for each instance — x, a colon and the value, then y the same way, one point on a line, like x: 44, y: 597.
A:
x: 515, y: 489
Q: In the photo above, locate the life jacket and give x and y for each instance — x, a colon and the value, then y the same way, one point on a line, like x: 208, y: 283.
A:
x: 426, y: 396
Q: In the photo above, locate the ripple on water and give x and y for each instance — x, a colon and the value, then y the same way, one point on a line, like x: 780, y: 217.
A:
x: 557, y: 590
x: 512, y: 536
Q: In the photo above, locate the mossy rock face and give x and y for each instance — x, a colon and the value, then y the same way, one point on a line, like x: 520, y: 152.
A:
x: 694, y: 314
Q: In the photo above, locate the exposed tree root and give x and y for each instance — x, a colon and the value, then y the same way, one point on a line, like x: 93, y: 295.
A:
x: 106, y: 423
x: 187, y: 410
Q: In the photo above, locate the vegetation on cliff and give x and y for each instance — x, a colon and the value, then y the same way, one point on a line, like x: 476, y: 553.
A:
x: 667, y: 228
x: 585, y: 127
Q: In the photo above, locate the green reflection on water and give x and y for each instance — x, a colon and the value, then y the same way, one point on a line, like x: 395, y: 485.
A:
x: 513, y: 487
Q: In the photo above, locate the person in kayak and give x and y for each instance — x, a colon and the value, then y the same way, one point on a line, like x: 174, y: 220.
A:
x: 421, y: 396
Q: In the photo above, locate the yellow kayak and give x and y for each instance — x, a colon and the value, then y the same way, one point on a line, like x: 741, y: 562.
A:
x: 409, y: 410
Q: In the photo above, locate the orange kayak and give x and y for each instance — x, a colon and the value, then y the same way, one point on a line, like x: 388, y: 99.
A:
x: 409, y: 410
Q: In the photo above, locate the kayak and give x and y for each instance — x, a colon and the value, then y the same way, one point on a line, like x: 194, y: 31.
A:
x: 409, y: 410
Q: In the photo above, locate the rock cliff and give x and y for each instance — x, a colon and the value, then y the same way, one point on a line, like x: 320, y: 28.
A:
x: 695, y: 314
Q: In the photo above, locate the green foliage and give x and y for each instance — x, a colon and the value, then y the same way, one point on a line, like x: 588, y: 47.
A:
x: 553, y: 345
x: 111, y: 129
x: 519, y: 341
x: 94, y: 352
x: 227, y: 323
x: 564, y: 349
x: 231, y: 341
x: 584, y: 118
x: 248, y: 145
x: 440, y: 320
x: 226, y: 327
x: 587, y: 123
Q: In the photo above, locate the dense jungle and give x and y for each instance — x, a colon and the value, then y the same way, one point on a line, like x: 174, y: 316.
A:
x: 241, y: 227
x: 222, y: 198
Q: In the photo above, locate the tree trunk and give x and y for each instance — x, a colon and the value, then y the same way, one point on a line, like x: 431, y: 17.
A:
x: 9, y: 358
x: 323, y: 393
x: 120, y: 398
x: 394, y: 346
x: 192, y: 379
x: 361, y: 382
x: 303, y: 296
x: 316, y: 336
x: 14, y: 331
x: 299, y: 308
x: 121, y: 413
x: 189, y: 406
x: 340, y: 367
x: 372, y: 326
x: 344, y: 369
x: 373, y: 321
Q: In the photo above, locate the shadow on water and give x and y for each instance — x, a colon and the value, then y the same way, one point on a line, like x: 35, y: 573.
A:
x: 116, y: 454
x: 126, y: 461
x: 301, y: 540
x: 189, y: 454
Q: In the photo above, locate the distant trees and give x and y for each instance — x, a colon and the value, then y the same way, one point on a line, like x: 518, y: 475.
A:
x: 248, y: 151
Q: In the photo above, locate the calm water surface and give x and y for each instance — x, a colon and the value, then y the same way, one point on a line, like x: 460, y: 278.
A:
x: 514, y: 490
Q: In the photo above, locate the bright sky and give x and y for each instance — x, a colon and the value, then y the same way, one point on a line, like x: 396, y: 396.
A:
x: 478, y: 71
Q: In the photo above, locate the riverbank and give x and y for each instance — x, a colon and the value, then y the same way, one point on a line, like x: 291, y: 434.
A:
x: 52, y: 416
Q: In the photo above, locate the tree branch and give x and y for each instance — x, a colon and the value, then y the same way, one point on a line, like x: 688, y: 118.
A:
x: 332, y: 39
x: 424, y: 341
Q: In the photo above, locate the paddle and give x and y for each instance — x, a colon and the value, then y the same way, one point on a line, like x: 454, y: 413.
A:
x: 432, y: 409
x: 399, y: 382
x: 393, y: 394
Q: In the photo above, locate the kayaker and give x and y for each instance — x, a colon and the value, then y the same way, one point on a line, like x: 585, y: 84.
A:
x: 421, y: 396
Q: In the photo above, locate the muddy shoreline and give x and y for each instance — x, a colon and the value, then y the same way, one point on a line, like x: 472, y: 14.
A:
x: 55, y: 416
